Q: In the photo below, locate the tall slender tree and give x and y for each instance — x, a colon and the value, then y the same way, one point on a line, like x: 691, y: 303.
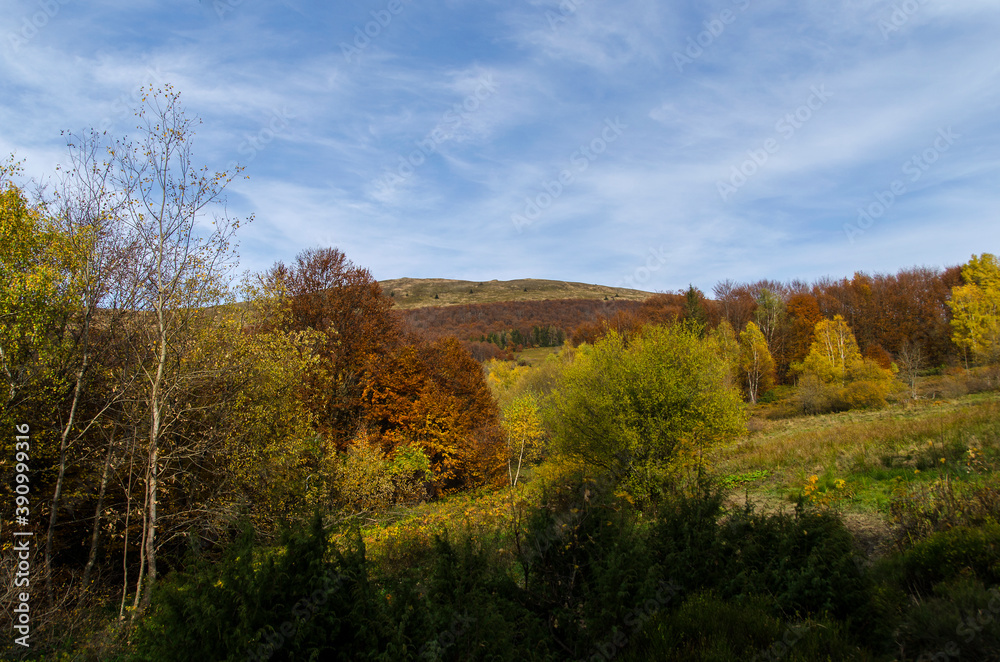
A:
x: 185, y: 263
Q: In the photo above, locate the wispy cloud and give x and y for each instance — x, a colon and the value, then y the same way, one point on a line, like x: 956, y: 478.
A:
x: 320, y: 132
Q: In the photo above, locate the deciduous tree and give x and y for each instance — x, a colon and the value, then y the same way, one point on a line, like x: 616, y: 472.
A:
x: 976, y: 309
x: 630, y: 409
x: 756, y: 364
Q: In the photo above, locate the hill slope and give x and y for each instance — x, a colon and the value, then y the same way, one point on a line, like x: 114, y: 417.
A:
x: 420, y: 292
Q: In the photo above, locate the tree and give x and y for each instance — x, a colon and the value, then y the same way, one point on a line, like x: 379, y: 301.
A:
x: 975, y: 309
x: 183, y: 265
x: 694, y: 310
x: 736, y: 302
x: 326, y: 292
x: 727, y: 346
x: 100, y: 254
x: 756, y: 364
x: 803, y: 314
x: 769, y: 315
x: 434, y: 396
x: 911, y: 362
x: 523, y: 428
x: 834, y: 375
x: 35, y: 293
x: 636, y: 408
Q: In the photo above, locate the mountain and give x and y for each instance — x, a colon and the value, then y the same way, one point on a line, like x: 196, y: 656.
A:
x: 422, y: 292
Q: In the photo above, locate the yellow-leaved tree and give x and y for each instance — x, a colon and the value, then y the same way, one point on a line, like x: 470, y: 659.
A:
x: 975, y: 308
x: 835, y: 376
x: 756, y: 364
x: 522, y: 425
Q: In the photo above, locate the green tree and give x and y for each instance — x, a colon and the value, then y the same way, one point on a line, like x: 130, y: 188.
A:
x: 727, y: 346
x: 756, y: 364
x: 975, y: 308
x: 640, y: 408
x: 694, y: 310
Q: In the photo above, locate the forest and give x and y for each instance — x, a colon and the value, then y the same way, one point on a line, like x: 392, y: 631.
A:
x: 284, y: 467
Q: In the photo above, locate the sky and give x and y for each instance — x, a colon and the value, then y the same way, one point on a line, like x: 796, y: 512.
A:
x: 632, y: 143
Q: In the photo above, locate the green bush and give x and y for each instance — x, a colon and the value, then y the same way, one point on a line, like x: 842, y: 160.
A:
x: 707, y: 627
x: 807, y: 562
x: 648, y: 401
x: 962, y: 551
x: 302, y: 600
x: 960, y: 621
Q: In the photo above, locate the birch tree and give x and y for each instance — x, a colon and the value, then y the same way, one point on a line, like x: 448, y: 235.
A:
x: 185, y: 263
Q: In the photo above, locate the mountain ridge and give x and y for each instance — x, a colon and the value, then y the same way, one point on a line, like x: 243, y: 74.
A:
x: 408, y: 293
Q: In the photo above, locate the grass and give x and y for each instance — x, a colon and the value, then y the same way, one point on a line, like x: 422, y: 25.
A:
x: 421, y: 292
x: 872, y: 451
x: 535, y: 355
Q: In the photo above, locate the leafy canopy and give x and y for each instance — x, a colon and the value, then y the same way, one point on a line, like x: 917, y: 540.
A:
x: 975, y: 308
x: 628, y: 405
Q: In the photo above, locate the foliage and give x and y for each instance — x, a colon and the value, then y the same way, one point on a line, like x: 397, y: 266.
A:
x: 630, y: 406
x: 961, y: 551
x: 367, y: 479
x: 728, y: 348
x: 756, y: 364
x: 975, y: 308
x: 302, y: 600
x: 834, y: 375
x: 922, y: 509
x: 958, y: 620
x: 522, y: 425
x: 434, y: 395
x: 36, y: 293
x: 707, y: 627
x: 326, y: 293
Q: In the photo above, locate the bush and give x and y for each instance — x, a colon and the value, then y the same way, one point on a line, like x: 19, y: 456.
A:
x: 960, y: 552
x: 806, y: 562
x: 961, y: 620
x: 927, y: 508
x: 707, y: 627
x: 304, y: 599
x: 629, y: 403
x: 364, y: 480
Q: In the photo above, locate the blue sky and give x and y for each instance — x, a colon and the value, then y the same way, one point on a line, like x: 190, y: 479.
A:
x: 639, y: 143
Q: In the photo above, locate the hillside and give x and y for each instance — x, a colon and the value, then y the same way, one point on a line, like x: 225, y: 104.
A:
x: 421, y: 292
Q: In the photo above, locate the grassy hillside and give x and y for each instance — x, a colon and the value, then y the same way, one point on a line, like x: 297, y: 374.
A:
x: 420, y: 292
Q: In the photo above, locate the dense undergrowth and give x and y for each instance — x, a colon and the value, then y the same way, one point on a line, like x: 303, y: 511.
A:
x: 591, y: 578
x: 569, y: 566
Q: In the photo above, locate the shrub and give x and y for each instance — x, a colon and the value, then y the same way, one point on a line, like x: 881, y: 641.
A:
x: 926, y: 508
x: 304, y: 599
x: 629, y: 403
x: 962, y: 551
x: 708, y: 627
x: 364, y: 480
x: 960, y: 621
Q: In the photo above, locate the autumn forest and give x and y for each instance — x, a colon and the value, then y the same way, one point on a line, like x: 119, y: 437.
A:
x: 286, y: 465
